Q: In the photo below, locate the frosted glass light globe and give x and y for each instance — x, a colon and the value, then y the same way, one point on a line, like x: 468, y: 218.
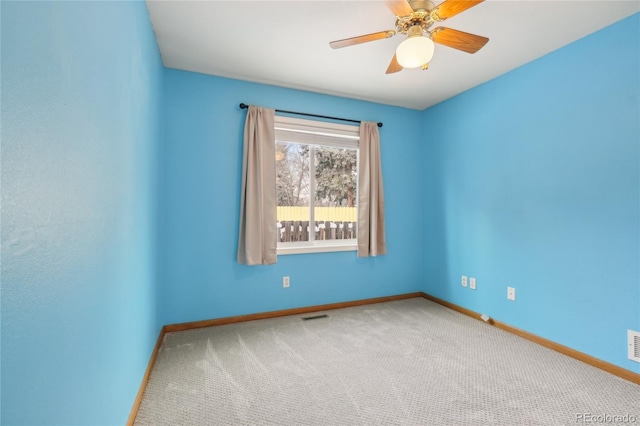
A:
x: 415, y: 52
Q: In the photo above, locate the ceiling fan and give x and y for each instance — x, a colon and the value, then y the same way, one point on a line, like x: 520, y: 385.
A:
x: 415, y: 19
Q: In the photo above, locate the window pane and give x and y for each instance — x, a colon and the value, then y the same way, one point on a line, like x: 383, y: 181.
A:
x: 336, y: 192
x: 292, y: 191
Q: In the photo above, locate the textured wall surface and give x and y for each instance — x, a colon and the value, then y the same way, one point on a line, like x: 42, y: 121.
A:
x: 201, y: 203
x: 80, y: 108
x: 533, y: 181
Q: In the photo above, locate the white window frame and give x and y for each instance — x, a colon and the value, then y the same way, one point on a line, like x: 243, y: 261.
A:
x: 316, y: 133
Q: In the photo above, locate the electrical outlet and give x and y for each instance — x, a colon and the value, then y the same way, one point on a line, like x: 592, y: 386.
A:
x: 286, y: 281
x: 511, y: 293
x: 472, y: 283
x: 463, y: 281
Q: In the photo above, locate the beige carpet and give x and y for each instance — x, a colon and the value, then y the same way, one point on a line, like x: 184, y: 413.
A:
x: 409, y: 362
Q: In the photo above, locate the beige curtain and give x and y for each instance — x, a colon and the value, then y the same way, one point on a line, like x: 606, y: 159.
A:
x: 257, y: 237
x: 371, y: 237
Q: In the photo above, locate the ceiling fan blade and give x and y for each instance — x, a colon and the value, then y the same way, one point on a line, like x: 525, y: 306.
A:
x: 460, y: 40
x: 361, y: 39
x: 450, y: 8
x: 399, y: 7
x: 394, y: 66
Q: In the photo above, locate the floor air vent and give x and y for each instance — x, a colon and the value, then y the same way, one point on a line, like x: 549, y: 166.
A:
x: 318, y: 317
x: 634, y: 345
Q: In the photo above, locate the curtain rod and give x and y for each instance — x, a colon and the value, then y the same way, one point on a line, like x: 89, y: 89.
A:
x: 245, y: 106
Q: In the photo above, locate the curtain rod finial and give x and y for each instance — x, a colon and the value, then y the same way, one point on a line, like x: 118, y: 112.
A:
x: 379, y: 124
x: 243, y: 105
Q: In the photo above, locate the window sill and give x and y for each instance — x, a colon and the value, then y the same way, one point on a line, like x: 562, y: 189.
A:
x: 316, y: 248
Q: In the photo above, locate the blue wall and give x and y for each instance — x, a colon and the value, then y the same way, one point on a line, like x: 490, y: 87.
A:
x: 80, y: 129
x: 533, y: 181
x: 202, y: 163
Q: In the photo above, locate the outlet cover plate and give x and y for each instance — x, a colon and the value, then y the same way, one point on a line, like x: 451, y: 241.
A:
x: 634, y: 345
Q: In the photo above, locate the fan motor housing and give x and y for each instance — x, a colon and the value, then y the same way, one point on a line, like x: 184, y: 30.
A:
x: 419, y: 5
x: 421, y: 18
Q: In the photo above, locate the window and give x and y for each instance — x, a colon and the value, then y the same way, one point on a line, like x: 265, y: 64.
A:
x: 316, y: 185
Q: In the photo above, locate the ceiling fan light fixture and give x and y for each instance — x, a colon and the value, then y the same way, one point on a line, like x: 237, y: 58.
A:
x: 415, y: 51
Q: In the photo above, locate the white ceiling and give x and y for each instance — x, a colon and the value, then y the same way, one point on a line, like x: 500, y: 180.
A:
x: 286, y: 43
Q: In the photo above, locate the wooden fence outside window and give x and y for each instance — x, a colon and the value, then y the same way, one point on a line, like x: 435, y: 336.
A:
x: 298, y: 230
x: 331, y: 223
